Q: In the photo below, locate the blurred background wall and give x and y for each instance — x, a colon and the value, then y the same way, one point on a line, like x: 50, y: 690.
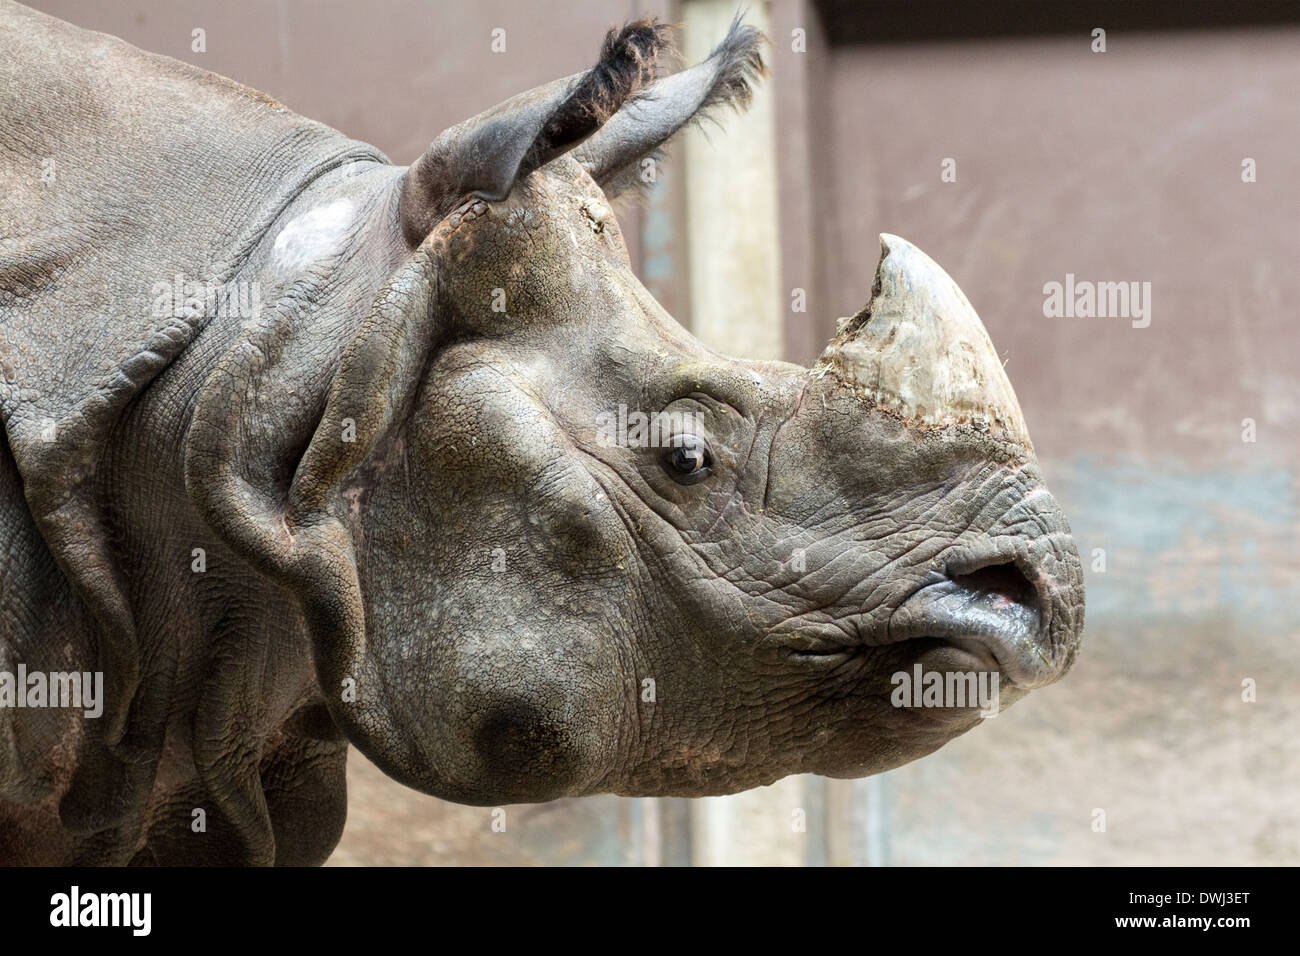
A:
x: 1016, y: 149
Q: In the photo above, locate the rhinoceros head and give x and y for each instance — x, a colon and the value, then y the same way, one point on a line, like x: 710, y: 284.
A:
x: 566, y: 548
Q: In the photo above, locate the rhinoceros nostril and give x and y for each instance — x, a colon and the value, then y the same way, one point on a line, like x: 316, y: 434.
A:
x: 998, y: 586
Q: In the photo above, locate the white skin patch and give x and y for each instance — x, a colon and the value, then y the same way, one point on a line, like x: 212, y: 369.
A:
x: 312, y: 235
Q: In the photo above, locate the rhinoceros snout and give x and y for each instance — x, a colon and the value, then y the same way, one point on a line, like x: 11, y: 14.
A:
x: 1014, y: 606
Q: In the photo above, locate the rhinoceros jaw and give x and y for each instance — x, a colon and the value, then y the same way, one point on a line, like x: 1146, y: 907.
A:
x: 919, y: 349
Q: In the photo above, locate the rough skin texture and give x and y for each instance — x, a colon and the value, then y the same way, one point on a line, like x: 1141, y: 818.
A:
x: 412, y: 538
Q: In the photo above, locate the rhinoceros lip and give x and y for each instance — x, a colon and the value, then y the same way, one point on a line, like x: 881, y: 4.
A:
x: 994, y: 628
x: 989, y: 612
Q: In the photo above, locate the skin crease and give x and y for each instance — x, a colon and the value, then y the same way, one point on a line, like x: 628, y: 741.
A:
x: 415, y: 541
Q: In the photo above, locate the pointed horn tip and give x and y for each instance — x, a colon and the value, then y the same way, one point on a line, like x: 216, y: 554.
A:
x: 891, y: 244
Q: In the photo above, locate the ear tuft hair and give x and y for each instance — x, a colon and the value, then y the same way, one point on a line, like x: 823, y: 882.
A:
x: 740, y: 67
x: 629, y: 61
x: 654, y: 114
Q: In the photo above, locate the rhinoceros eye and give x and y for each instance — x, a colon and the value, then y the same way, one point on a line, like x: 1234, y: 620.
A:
x: 688, y: 460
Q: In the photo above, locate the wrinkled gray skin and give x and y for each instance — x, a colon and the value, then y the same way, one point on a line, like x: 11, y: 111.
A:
x: 369, y: 563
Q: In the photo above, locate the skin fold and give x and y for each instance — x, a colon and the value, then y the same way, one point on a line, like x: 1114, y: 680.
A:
x: 413, y: 536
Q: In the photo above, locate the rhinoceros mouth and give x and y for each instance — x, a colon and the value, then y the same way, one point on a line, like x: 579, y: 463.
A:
x: 991, y: 618
x: 993, y: 615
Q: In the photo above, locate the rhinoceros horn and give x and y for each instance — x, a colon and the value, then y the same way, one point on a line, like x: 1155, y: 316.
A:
x: 919, y: 350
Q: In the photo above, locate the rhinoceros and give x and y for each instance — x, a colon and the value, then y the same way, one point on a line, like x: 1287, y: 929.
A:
x: 303, y: 449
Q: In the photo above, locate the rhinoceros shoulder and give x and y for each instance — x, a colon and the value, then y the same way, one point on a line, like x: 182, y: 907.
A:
x: 122, y: 173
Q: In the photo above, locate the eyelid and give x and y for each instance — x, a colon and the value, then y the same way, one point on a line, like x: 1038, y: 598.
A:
x: 690, y: 385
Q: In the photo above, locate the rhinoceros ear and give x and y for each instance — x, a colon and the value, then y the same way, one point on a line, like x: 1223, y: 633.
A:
x: 485, y: 156
x: 613, y: 155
